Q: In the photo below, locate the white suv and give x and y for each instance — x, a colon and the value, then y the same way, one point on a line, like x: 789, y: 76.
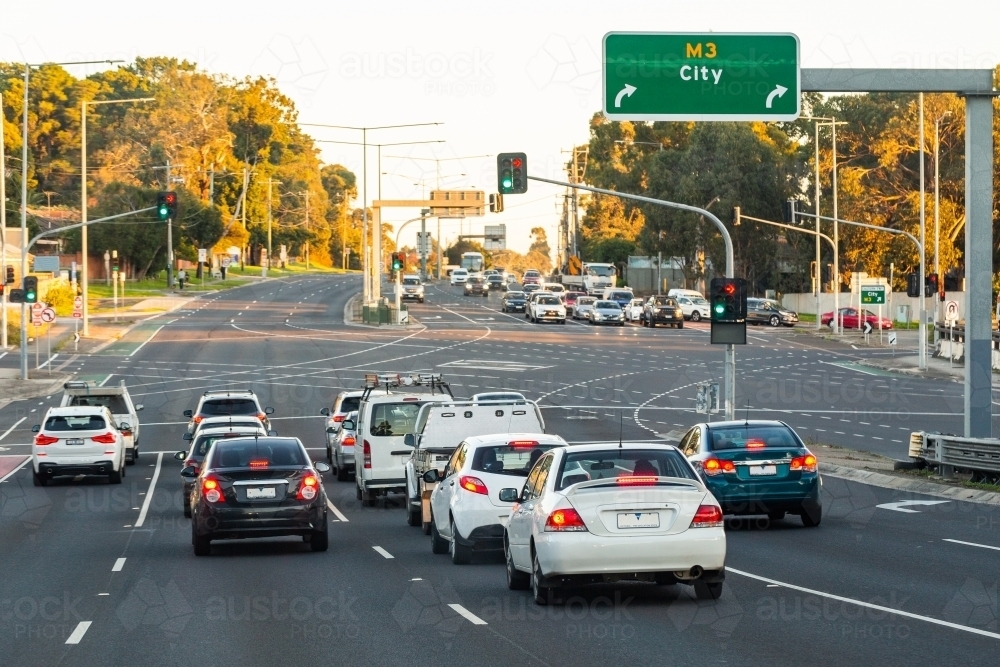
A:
x: 459, y: 276
x: 82, y: 440
x: 547, y: 308
x: 228, y: 403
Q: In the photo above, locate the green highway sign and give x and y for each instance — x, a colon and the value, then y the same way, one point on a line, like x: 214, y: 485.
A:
x: 710, y: 76
x: 872, y: 295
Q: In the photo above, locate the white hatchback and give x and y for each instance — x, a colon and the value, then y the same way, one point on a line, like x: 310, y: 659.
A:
x: 82, y: 440
x: 459, y: 277
x: 606, y: 513
x: 467, y: 514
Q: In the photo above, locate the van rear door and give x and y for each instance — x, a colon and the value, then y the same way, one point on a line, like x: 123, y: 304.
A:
x: 385, y: 425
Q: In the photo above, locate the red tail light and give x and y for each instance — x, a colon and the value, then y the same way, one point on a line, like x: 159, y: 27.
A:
x: 707, y: 516
x: 309, y: 487
x: 805, y: 463
x: 191, y: 462
x: 127, y: 432
x: 104, y: 438
x: 715, y: 466
x: 473, y: 484
x: 368, y: 455
x: 567, y: 520
x: 198, y: 419
x: 261, y: 416
x: 339, y: 418
x: 348, y: 441
x: 42, y: 439
x: 210, y: 489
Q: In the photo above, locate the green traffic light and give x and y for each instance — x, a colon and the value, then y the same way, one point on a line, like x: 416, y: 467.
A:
x: 507, y: 183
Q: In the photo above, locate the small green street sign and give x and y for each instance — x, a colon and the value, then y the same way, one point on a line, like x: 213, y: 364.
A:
x: 710, y: 76
x: 872, y: 295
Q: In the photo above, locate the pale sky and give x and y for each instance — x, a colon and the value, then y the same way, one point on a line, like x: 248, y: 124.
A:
x: 510, y: 76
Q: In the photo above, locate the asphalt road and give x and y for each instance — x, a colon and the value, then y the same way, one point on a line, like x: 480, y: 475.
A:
x: 111, y: 570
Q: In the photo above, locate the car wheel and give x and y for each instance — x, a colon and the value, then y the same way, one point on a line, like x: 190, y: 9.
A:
x: 460, y: 554
x: 329, y: 457
x: 439, y: 545
x: 357, y: 491
x: 774, y: 321
x: 342, y: 474
x: 541, y: 592
x: 421, y: 301
x: 187, y: 509
x: 707, y: 591
x: 368, y: 499
x: 38, y: 480
x: 516, y: 580
x: 130, y: 457
x: 680, y: 325
x: 202, y: 545
x: 695, y: 316
x: 319, y: 540
x: 115, y: 477
x: 414, y: 517
x: 811, y: 517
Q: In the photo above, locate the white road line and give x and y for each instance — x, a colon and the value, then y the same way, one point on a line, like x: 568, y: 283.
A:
x: 149, y: 492
x: 145, y: 341
x: 971, y: 544
x: 11, y: 473
x: 16, y: 424
x: 3, y: 355
x: 869, y: 605
x: 105, y: 380
x: 385, y: 554
x: 336, y: 511
x: 78, y: 632
x: 50, y: 359
x: 119, y: 564
x: 472, y: 618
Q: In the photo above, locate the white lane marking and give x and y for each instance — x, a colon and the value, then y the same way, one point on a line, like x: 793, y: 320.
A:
x: 16, y: 424
x: 3, y: 355
x: 337, y: 511
x: 971, y: 544
x: 145, y: 341
x: 901, y: 505
x: 11, y: 473
x: 868, y: 605
x: 472, y: 618
x: 105, y: 380
x: 149, y: 494
x: 385, y: 554
x: 78, y: 632
x: 119, y: 564
x: 51, y: 359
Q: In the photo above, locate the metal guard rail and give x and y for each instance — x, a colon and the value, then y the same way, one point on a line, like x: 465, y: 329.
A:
x: 974, y: 454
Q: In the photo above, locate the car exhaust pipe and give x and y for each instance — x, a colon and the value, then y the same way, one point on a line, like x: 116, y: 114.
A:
x: 687, y: 575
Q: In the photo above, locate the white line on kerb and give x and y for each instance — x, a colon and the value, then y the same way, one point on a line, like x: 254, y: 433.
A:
x: 472, y: 618
x: 149, y: 492
x: 119, y: 564
x: 971, y: 544
x: 336, y: 511
x: 385, y: 554
x: 16, y: 424
x: 78, y: 632
x: 869, y: 605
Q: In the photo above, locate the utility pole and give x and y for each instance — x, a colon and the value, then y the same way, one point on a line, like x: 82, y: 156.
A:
x: 819, y: 256
x: 24, y: 225
x: 269, y: 181
x: 922, y: 326
x: 243, y: 213
x: 3, y: 233
x: 307, y: 230
x: 170, y: 240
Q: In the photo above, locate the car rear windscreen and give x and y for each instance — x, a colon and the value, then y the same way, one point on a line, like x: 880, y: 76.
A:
x: 613, y: 463
x: 238, y: 453
x: 393, y: 418
x: 114, y: 403
x: 76, y: 423
x: 229, y: 406
x: 204, y: 443
x: 506, y: 459
x: 350, y: 403
x: 752, y: 437
x: 549, y: 301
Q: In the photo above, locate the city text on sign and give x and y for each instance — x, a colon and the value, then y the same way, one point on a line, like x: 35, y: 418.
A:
x: 710, y: 76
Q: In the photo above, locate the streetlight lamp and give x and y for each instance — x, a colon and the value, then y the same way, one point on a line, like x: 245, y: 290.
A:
x: 937, y: 210
x: 85, y: 269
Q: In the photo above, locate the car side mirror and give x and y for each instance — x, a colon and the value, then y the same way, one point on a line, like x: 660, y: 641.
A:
x: 189, y: 471
x: 321, y: 467
x: 36, y: 428
x: 325, y: 412
x: 509, y: 495
x: 139, y: 407
x: 272, y: 433
x: 347, y: 425
x: 331, y: 430
x: 124, y: 426
x: 188, y: 413
x: 410, y: 440
x: 180, y: 456
x: 268, y: 411
x: 432, y: 476
x: 188, y: 437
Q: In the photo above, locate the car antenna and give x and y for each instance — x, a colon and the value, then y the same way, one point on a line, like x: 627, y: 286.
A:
x: 621, y: 425
x: 746, y: 416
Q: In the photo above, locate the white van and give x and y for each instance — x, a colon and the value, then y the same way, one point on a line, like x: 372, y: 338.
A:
x: 383, y: 420
x: 441, y: 427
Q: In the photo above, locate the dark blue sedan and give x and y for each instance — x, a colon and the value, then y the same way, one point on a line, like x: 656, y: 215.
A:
x: 756, y: 468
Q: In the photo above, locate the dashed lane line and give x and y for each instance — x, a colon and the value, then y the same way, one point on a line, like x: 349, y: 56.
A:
x: 385, y: 554
x: 78, y: 632
x: 468, y: 615
x: 149, y: 492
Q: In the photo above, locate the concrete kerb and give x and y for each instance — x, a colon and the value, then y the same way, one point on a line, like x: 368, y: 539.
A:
x: 349, y: 318
x: 922, y: 486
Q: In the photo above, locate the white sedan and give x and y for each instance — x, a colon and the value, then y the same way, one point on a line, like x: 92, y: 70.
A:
x: 604, y: 513
x: 633, y: 311
x: 467, y: 514
x: 459, y: 277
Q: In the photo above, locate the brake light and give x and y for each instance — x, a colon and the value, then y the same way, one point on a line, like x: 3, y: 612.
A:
x: 41, y: 439
x: 191, y: 462
x: 755, y: 443
x: 473, y: 484
x: 210, y: 489
x: 259, y: 464
x: 567, y: 520
x: 641, y: 480
x: 339, y: 418
x: 127, y: 432
x: 104, y: 438
x: 707, y: 516
x: 805, y: 463
x: 308, y: 488
x: 522, y: 443
x: 348, y: 441
x: 411, y: 398
x: 197, y: 419
x: 715, y: 466
x: 261, y: 416
x: 368, y: 455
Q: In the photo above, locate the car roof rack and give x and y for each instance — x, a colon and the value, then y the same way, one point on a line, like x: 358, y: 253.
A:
x: 390, y: 380
x: 228, y: 392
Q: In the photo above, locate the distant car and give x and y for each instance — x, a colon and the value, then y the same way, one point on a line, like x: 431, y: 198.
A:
x: 766, y: 311
x: 583, y: 306
x: 412, y: 289
x: 459, y: 276
x: 495, y: 282
x: 622, y: 297
x: 569, y: 298
x: 342, y: 451
x: 606, y: 312
x: 662, y: 309
x: 513, y: 301
x: 756, y: 467
x: 498, y: 396
x: 228, y: 403
x: 531, y: 287
x: 82, y: 440
x: 555, y: 288
x: 695, y: 307
x: 850, y: 319
x: 532, y: 277
x: 345, y: 403
x: 547, y: 308
x: 202, y: 442
x: 633, y: 311
x: 476, y: 286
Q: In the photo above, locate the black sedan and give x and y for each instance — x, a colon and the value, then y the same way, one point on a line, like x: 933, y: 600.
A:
x: 258, y: 487
x: 476, y: 286
x: 662, y: 309
x: 513, y: 301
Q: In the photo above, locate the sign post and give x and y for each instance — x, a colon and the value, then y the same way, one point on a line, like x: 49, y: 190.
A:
x: 873, y: 295
x: 202, y: 258
x: 48, y: 317
x: 77, y: 314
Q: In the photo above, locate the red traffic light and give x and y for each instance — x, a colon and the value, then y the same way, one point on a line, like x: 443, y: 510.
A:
x: 170, y: 197
x: 729, y: 288
x: 516, y: 162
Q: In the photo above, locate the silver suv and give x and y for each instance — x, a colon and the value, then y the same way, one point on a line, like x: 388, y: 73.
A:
x: 411, y: 289
x: 228, y: 403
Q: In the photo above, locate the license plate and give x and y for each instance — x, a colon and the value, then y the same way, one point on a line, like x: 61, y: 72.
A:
x: 761, y: 471
x: 262, y: 492
x: 639, y: 520
x: 74, y: 441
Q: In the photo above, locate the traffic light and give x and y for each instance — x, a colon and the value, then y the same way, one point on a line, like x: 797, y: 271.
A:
x: 788, y: 211
x: 15, y: 296
x: 931, y: 285
x: 166, y: 205
x: 30, y: 284
x: 512, y: 173
x: 496, y: 203
x: 728, y: 299
x: 9, y: 277
x: 913, y: 285
x: 398, y: 261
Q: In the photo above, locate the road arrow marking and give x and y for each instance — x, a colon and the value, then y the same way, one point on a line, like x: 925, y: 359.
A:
x: 900, y: 506
x: 628, y: 90
x: 779, y: 90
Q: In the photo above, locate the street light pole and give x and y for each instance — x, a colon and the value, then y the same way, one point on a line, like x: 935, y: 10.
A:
x: 937, y: 210
x: 3, y: 233
x: 922, y: 326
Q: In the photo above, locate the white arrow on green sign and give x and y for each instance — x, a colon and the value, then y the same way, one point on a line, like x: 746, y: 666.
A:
x: 701, y: 76
x: 872, y: 295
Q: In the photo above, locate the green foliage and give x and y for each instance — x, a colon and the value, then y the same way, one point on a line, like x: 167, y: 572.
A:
x: 455, y: 251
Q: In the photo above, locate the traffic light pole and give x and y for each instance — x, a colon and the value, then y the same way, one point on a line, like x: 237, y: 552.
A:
x: 730, y: 365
